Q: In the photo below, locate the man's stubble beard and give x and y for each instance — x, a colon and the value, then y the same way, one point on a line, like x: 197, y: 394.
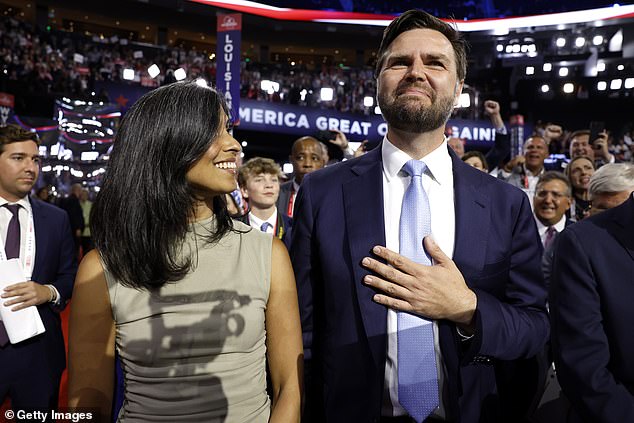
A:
x: 410, y: 115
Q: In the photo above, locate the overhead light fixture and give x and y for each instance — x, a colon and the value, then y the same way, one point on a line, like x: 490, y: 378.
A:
x: 128, y: 74
x: 547, y: 67
x: 620, y: 67
x: 326, y: 94
x: 153, y: 70
x: 180, y: 74
x: 629, y: 83
x: 616, y: 84
x: 563, y: 71
x: 600, y: 66
x: 201, y: 83
x: 464, y: 100
x: 368, y: 101
x: 499, y: 48
x: 597, y: 40
x: 569, y: 87
x: 561, y: 42
x: 377, y: 110
x: 602, y: 85
x: 269, y: 86
x: 545, y: 88
x: 580, y: 42
x: 530, y: 70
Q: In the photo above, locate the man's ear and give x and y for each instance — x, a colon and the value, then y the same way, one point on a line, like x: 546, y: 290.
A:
x: 457, y: 92
x: 244, y: 192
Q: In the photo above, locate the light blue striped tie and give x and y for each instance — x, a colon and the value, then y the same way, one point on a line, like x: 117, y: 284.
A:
x: 417, y: 374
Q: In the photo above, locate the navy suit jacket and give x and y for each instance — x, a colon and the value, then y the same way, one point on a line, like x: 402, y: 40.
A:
x: 286, y: 190
x: 339, y: 218
x: 591, y: 294
x: 55, y: 264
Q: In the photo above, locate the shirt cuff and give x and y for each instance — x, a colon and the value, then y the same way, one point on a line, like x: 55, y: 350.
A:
x: 463, y: 336
x: 56, y: 301
x: 501, y: 130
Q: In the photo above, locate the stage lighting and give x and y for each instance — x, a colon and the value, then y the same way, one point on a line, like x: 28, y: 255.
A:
x: 597, y: 40
x: 499, y: 48
x: 464, y: 101
x: 547, y: 67
x: 602, y: 85
x: 368, y: 101
x: 561, y: 42
x: 128, y: 74
x: 580, y: 42
x: 377, y: 110
x: 600, y: 66
x: 563, y: 71
x: 530, y: 70
x: 620, y: 67
x: 180, y: 74
x: 153, y: 70
x: 545, y: 88
x: 569, y: 87
x: 326, y: 94
x: 201, y: 82
x: 629, y: 83
x: 269, y: 86
x: 616, y: 84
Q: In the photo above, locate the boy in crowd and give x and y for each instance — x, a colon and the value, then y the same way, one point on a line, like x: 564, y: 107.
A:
x: 259, y: 183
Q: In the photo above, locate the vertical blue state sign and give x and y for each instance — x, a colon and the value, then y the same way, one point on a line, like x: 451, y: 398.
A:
x: 229, y: 34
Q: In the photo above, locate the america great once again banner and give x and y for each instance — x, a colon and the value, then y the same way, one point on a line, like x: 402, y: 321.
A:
x: 297, y: 120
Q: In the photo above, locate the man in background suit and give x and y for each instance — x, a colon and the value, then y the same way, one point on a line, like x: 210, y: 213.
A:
x: 307, y: 155
x: 591, y: 312
x: 483, y: 292
x: 30, y: 371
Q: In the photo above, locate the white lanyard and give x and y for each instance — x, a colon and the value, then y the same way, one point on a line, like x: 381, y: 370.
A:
x: 29, y: 251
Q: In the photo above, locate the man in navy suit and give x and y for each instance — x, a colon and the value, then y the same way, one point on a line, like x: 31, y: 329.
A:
x: 591, y: 311
x: 30, y: 370
x: 483, y: 293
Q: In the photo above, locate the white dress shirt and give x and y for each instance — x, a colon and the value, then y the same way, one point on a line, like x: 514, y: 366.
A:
x: 438, y: 184
x: 25, y: 219
x: 542, y: 229
x: 256, y: 222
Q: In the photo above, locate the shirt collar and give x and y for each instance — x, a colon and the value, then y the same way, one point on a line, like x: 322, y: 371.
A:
x: 254, y: 220
x: 24, y: 202
x: 295, y: 185
x: 559, y: 226
x: 438, y: 161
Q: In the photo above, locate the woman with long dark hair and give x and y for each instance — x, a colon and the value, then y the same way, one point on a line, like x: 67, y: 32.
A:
x: 192, y: 302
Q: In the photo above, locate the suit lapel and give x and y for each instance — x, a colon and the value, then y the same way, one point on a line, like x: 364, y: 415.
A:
x: 365, y: 225
x: 624, y: 219
x: 472, y: 218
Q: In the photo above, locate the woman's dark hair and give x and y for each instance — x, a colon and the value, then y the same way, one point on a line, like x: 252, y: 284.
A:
x: 142, y: 213
x: 479, y: 155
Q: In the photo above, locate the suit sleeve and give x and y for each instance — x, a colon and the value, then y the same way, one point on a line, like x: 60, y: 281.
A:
x: 303, y: 262
x: 66, y: 259
x: 580, y: 344
x: 513, y: 322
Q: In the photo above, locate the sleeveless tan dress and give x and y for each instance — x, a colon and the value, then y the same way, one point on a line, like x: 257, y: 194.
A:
x: 194, y: 350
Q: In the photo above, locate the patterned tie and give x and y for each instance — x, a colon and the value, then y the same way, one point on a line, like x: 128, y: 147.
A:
x: 417, y: 374
x: 12, y: 250
x: 550, y: 236
x: 265, y: 226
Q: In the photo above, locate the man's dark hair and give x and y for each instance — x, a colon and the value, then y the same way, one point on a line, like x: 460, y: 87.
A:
x: 414, y: 19
x: 554, y: 175
x: 142, y: 214
x: 13, y: 133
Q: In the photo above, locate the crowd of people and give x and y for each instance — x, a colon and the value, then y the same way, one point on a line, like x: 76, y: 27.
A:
x: 403, y: 284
